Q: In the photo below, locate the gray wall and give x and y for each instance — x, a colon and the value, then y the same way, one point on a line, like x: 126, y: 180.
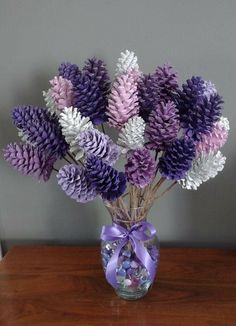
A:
x: 197, y: 37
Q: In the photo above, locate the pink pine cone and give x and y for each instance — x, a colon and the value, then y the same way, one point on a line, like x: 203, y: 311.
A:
x: 123, y: 99
x: 61, y: 92
x: 215, y: 139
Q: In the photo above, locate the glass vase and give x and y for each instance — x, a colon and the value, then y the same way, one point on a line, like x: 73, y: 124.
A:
x: 130, y: 252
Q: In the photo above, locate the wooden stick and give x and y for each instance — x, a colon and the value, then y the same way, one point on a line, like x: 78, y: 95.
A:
x: 166, y: 190
x: 103, y: 128
x: 123, y: 207
x: 158, y: 184
x: 125, y: 194
x: 73, y: 159
x: 67, y: 160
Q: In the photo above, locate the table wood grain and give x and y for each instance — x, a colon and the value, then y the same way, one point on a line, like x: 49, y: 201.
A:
x: 47, y: 285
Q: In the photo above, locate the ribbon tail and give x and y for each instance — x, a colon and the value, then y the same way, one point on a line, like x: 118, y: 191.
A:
x: 144, y: 257
x: 112, y: 264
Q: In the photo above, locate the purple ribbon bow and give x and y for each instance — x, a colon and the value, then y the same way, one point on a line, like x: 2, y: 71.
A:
x: 135, y: 235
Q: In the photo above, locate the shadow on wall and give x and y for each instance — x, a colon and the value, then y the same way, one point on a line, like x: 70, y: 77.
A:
x: 212, y: 211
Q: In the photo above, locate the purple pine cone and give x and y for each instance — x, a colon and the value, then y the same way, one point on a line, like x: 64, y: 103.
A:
x: 91, y: 91
x: 148, y: 94
x: 41, y: 128
x: 97, y: 71
x: 177, y: 159
x: 29, y: 160
x: 209, y: 89
x: 110, y: 183
x: 70, y: 72
x: 156, y: 87
x: 96, y: 143
x: 140, y: 168
x: 198, y: 111
x: 73, y: 180
x: 194, y: 88
x: 167, y: 80
x: 163, y: 126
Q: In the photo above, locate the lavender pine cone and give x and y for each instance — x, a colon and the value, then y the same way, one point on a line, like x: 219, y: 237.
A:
x: 209, y: 89
x: 163, y: 126
x: 177, y: 159
x: 74, y: 182
x: 140, y: 168
x: 94, y: 142
x: 29, y: 160
x: 41, y: 129
x: 110, y: 183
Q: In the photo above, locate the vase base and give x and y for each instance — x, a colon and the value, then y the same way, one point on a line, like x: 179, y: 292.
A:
x: 135, y: 295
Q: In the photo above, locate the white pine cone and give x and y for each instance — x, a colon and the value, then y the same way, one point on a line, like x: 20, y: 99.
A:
x: 72, y: 123
x: 224, y: 123
x: 204, y: 167
x: 50, y: 104
x: 131, y: 135
x: 127, y: 61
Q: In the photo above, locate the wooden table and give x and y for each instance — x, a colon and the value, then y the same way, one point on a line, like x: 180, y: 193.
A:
x: 44, y: 285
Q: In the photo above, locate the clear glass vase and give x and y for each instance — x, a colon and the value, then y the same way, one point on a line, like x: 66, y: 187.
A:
x: 130, y: 243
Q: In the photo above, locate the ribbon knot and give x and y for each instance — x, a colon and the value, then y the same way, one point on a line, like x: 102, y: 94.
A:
x: 135, y: 235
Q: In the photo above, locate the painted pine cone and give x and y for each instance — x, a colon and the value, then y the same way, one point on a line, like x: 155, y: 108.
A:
x: 177, y: 159
x: 29, y: 160
x: 140, y: 168
x: 110, y: 183
x: 123, y: 100
x: 198, y: 112
x: 73, y: 180
x: 41, y: 128
x: 163, y: 126
x: 94, y: 142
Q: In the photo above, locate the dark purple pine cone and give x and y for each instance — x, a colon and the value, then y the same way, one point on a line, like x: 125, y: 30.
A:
x: 140, y: 168
x: 97, y: 71
x: 167, y: 80
x: 69, y: 71
x: 198, y: 112
x: 177, y: 159
x: 73, y: 180
x: 110, y: 183
x: 91, y: 91
x: 163, y: 126
x: 148, y: 94
x: 41, y: 129
x: 29, y: 160
x: 194, y: 88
